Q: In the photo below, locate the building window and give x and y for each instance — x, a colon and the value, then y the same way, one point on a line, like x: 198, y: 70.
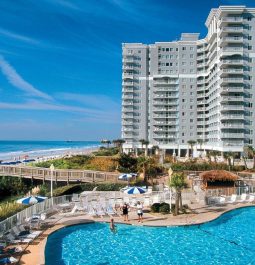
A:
x: 183, y: 100
x: 191, y: 48
x: 249, y: 47
x: 183, y: 134
x: 249, y: 37
x: 183, y: 113
x: 184, y: 48
x: 191, y: 55
x: 167, y: 49
x: 176, y: 49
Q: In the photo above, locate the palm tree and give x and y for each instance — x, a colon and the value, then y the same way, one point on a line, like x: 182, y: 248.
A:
x: 228, y: 156
x: 191, y: 143
x: 214, y: 153
x: 245, y: 155
x: 200, y: 142
x: 144, y: 165
x: 108, y: 142
x: 251, y: 152
x: 177, y: 182
x: 145, y: 142
x: 118, y: 143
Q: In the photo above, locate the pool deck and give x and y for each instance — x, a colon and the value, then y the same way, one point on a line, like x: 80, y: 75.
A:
x: 34, y: 252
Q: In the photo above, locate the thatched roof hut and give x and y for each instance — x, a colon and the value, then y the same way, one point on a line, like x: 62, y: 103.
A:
x: 218, y: 178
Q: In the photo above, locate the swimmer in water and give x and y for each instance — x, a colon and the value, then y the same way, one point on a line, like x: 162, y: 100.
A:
x: 113, y: 227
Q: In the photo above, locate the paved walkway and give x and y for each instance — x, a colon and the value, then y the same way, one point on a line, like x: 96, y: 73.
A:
x: 34, y: 254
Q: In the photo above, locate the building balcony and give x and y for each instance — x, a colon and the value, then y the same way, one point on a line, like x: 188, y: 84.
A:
x: 128, y: 67
x: 231, y: 107
x: 232, y: 126
x: 226, y: 30
x: 128, y: 60
x: 226, y: 40
x: 232, y: 20
x: 125, y: 103
x: 226, y: 71
x: 164, y: 123
x: 232, y: 117
x: 165, y: 110
x: 232, y: 98
x: 163, y: 96
x: 127, y: 97
x: 126, y: 123
x: 165, y: 116
x: 125, y: 83
x: 164, y: 104
x: 169, y: 83
x: 235, y: 80
x: 165, y: 130
x: 234, y: 89
x: 229, y: 51
x: 232, y: 135
x: 163, y: 136
x: 127, y: 76
x: 227, y: 62
x: 165, y: 89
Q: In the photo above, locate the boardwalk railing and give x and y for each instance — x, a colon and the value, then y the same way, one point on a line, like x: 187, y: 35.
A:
x: 68, y: 175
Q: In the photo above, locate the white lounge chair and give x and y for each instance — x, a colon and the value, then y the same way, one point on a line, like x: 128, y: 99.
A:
x: 110, y: 211
x: 222, y: 200
x: 243, y: 198
x: 11, y: 239
x: 24, y: 233
x: 251, y: 198
x: 233, y: 198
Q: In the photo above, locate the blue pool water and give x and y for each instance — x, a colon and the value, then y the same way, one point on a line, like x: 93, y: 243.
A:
x: 227, y: 240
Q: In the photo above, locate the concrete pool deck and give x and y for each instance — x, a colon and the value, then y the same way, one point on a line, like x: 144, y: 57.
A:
x: 34, y: 252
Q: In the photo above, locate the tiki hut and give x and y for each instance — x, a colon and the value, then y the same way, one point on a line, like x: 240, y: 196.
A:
x: 215, y: 179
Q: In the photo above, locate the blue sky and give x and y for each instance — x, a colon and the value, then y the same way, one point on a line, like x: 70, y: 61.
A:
x: 60, y: 60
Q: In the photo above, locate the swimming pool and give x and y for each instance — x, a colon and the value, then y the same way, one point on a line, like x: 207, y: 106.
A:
x: 229, y: 239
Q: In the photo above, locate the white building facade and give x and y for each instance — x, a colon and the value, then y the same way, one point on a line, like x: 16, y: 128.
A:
x: 190, y: 89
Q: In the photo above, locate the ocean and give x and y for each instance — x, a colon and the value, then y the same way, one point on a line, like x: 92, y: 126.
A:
x: 17, y: 150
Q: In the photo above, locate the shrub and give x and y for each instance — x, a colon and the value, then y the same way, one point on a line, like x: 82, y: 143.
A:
x: 78, y: 188
x: 106, y: 151
x: 194, y: 166
x: 155, y: 207
x: 164, y: 208
x: 10, y: 208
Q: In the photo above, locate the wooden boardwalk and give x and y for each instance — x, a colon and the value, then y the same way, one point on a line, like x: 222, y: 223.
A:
x: 66, y: 175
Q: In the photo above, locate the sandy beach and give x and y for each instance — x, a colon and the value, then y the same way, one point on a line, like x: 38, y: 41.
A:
x: 44, y: 155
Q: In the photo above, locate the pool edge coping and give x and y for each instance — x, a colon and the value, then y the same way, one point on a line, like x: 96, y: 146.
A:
x: 57, y: 227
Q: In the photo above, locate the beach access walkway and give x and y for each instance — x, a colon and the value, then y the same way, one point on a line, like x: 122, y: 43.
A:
x: 63, y: 175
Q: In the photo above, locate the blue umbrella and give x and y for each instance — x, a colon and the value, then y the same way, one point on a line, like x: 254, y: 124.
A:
x: 127, y: 176
x: 135, y: 190
x: 31, y: 200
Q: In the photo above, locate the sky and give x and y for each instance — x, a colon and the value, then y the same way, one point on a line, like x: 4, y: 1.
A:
x: 60, y: 60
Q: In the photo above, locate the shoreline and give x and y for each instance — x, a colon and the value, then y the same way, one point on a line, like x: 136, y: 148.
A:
x: 45, y: 155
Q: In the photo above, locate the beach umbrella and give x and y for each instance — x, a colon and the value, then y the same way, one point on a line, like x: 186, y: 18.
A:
x: 127, y: 176
x: 135, y: 190
x: 31, y: 200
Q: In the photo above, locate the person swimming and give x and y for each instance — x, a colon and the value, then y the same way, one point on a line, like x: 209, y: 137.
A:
x: 113, y: 227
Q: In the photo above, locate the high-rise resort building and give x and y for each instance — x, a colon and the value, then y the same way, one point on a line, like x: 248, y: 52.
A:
x: 193, y: 89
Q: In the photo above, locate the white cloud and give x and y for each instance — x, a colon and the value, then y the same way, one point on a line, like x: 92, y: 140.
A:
x: 16, y: 36
x: 17, y: 81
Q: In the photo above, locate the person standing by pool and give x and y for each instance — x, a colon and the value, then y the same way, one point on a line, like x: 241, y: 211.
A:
x: 125, y: 208
x: 139, y: 212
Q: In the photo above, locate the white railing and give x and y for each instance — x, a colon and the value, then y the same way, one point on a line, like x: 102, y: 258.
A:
x: 38, y: 208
